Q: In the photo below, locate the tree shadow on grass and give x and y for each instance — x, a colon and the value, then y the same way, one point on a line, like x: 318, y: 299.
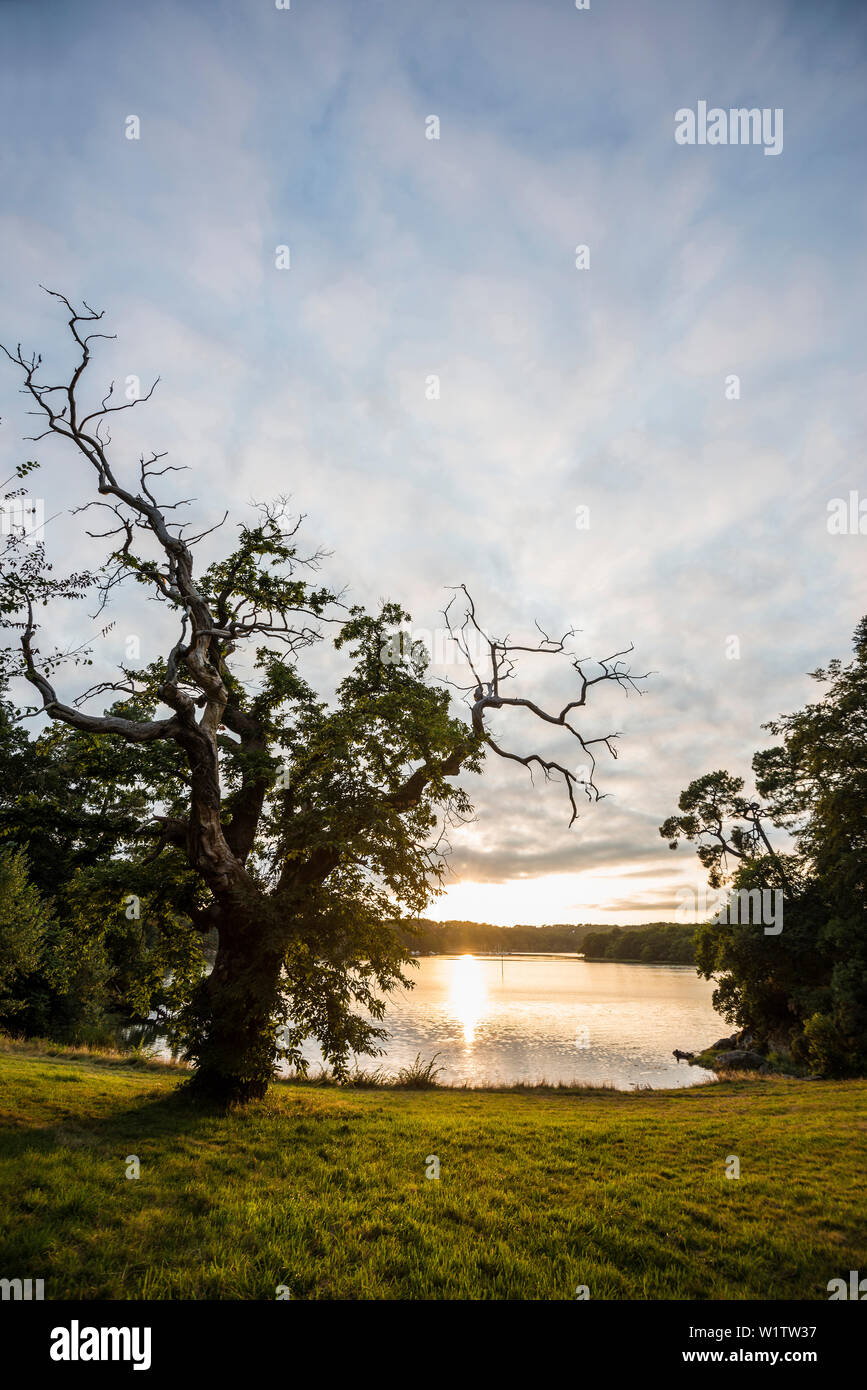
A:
x: 157, y: 1116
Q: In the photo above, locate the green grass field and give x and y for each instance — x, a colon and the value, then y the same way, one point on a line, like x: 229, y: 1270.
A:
x: 323, y: 1190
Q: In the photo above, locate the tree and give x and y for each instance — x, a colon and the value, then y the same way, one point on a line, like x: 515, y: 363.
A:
x: 725, y: 824
x: 815, y: 783
x: 308, y: 828
x: 74, y: 803
x: 806, y: 988
x: 24, y: 922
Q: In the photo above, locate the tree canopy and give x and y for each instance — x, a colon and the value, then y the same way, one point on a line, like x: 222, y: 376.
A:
x: 806, y: 988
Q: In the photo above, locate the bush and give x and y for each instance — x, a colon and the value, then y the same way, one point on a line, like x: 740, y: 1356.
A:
x: 825, y: 1046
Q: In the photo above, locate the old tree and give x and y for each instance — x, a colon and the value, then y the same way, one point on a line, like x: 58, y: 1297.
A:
x: 299, y: 831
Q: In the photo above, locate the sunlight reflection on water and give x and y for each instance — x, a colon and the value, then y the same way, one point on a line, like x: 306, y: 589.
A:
x: 554, y: 1018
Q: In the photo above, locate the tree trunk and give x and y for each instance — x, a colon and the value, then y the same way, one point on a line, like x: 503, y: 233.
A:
x: 234, y: 1012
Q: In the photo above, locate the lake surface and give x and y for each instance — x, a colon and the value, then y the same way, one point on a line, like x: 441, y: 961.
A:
x: 550, y: 1018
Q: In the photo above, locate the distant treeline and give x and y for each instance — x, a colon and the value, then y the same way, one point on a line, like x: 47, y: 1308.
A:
x: 652, y: 941
x: 665, y: 942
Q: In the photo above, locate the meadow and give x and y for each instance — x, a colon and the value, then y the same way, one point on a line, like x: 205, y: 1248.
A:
x: 323, y: 1192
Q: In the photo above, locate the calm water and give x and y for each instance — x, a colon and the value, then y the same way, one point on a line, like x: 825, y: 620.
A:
x: 553, y: 1018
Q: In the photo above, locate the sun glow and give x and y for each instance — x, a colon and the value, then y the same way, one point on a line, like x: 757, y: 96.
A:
x: 634, y: 894
x: 467, y: 994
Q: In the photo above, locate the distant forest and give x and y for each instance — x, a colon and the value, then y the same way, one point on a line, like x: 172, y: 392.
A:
x: 666, y: 942
x: 651, y: 941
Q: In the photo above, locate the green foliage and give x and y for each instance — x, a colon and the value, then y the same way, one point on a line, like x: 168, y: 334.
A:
x: 339, y: 799
x: 74, y: 803
x: 824, y: 1046
x: 81, y: 805
x: 806, y: 988
x: 661, y: 942
x: 24, y: 923
x: 458, y: 937
x: 54, y: 979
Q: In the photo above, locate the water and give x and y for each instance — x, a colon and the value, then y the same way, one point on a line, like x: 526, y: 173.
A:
x: 550, y: 1018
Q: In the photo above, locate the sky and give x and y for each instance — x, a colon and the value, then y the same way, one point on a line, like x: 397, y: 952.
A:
x: 445, y: 393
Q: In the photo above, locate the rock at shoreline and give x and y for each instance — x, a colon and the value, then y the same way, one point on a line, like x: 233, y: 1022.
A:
x: 739, y: 1060
x: 724, y: 1044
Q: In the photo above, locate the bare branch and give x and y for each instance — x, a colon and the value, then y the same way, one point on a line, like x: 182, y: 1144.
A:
x: 502, y: 667
x: 133, y: 730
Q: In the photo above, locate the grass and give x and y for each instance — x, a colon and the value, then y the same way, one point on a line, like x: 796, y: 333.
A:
x: 324, y: 1189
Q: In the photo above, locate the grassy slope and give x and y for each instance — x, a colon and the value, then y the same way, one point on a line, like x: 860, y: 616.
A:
x: 324, y: 1190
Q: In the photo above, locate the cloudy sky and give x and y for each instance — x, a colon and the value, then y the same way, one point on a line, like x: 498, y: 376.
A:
x: 606, y: 387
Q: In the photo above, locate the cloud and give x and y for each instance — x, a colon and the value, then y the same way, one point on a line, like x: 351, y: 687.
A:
x: 559, y: 388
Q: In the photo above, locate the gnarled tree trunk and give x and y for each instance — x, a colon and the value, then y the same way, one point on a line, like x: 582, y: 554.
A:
x: 233, y: 1016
